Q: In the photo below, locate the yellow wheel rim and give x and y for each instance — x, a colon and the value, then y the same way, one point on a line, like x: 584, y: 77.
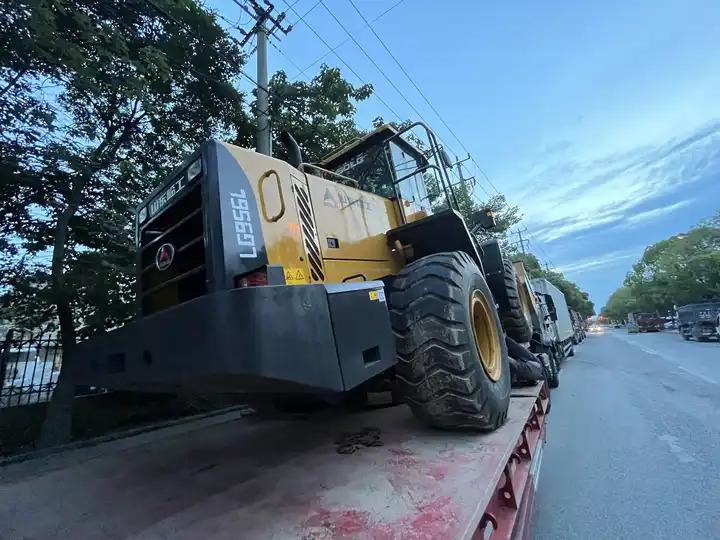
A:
x: 525, y: 303
x: 487, y: 338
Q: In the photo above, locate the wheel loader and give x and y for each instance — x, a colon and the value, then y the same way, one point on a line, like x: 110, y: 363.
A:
x: 262, y: 276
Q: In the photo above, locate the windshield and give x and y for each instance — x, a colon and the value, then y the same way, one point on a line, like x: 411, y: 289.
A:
x: 370, y: 167
x: 386, y: 163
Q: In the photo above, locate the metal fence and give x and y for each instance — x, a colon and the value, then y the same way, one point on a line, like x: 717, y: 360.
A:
x: 29, y: 367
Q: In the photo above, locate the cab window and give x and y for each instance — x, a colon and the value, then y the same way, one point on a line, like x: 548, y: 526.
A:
x: 412, y: 190
x: 371, y: 169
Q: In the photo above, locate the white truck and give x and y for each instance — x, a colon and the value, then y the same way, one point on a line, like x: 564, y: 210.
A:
x: 559, y: 313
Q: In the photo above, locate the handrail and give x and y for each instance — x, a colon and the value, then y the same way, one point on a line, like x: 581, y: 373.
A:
x: 421, y: 170
x: 281, y: 212
x: 435, y: 147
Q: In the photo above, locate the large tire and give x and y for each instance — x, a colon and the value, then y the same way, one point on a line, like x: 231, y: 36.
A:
x: 439, y: 371
x: 515, y: 321
x: 551, y: 370
x: 559, y: 354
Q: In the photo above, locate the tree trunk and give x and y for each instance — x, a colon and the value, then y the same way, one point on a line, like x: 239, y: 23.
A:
x: 57, y: 427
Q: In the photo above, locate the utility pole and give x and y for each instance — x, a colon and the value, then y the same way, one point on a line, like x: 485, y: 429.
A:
x: 264, y: 136
x: 522, y: 241
x: 263, y: 17
x: 458, y: 163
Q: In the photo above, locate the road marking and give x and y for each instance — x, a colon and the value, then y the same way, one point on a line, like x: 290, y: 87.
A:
x: 667, y: 357
x: 677, y: 450
x: 698, y: 375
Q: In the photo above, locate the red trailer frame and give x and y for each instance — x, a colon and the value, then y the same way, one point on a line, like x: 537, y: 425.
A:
x: 230, y: 477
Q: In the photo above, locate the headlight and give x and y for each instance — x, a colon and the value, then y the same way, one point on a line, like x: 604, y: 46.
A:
x: 194, y: 169
x: 142, y: 214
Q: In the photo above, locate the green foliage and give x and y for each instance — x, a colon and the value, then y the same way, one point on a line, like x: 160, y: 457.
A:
x: 319, y: 114
x: 99, y: 101
x: 682, y: 269
x: 576, y: 298
x: 620, y: 303
x: 470, y: 206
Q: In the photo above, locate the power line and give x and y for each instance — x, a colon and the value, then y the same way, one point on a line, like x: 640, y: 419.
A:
x: 169, y: 17
x: 382, y: 72
x: 302, y: 17
x: 278, y: 49
x: 343, y: 42
x: 374, y: 63
x: 379, y: 98
x: 407, y: 75
x: 546, y: 257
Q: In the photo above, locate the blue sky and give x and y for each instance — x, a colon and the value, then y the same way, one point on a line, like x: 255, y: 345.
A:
x: 601, y: 120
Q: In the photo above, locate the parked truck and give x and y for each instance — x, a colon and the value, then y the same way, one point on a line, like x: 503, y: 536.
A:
x: 559, y: 314
x: 578, y: 326
x: 545, y: 337
x: 699, y: 321
x: 646, y: 322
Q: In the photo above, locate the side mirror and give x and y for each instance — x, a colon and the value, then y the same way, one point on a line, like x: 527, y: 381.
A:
x: 445, y: 158
x: 485, y: 219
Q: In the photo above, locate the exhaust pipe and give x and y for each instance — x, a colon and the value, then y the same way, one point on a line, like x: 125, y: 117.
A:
x: 295, y: 157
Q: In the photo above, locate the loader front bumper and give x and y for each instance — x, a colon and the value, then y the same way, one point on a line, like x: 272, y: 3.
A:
x: 259, y: 339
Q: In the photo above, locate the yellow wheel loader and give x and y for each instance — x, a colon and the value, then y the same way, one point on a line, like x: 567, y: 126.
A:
x: 260, y: 276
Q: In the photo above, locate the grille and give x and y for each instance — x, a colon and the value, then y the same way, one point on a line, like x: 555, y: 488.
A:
x: 182, y: 225
x: 309, y: 233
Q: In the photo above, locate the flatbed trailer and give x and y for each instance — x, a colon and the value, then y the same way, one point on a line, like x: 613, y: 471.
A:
x: 227, y: 476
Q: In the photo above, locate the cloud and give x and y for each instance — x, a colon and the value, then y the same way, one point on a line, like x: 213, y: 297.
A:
x: 566, y: 196
x: 605, y: 260
x: 650, y: 215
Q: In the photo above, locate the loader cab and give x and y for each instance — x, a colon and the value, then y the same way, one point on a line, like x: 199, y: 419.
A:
x: 387, y: 164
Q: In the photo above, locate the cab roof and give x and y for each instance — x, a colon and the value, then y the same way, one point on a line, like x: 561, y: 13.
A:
x: 375, y: 137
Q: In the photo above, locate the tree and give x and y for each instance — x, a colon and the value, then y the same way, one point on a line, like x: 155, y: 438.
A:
x: 319, y: 114
x: 682, y: 269
x: 470, y: 207
x: 133, y: 89
x: 620, y: 303
x: 576, y: 298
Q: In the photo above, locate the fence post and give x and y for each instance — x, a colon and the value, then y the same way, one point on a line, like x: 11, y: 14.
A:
x: 3, y: 357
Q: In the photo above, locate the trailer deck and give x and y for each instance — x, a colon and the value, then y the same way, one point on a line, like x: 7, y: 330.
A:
x: 229, y: 477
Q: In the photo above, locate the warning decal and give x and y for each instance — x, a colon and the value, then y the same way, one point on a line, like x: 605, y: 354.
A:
x: 377, y: 295
x: 295, y: 276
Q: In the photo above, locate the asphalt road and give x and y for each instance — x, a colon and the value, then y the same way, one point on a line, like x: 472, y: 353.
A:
x: 633, y: 446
